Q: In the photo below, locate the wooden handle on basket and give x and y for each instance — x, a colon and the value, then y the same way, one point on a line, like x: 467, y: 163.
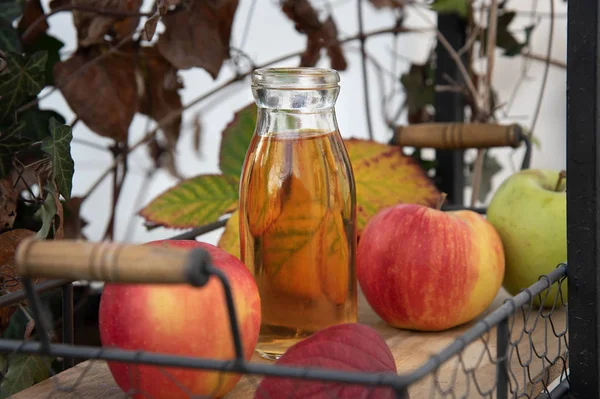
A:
x: 106, y: 261
x: 452, y: 136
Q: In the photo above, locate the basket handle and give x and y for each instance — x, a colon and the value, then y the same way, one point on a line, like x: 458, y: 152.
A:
x: 452, y: 136
x: 110, y: 262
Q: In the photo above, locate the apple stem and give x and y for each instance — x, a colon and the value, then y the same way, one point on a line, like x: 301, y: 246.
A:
x: 441, y: 201
x: 561, y: 177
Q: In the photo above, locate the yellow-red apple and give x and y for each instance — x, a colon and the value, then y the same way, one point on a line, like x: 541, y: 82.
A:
x: 424, y: 269
x: 181, y: 320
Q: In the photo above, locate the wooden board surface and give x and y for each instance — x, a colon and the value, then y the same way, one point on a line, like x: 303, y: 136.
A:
x: 411, y: 350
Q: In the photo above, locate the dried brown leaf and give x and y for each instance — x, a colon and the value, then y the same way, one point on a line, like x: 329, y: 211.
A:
x: 318, y: 34
x: 9, y: 282
x: 32, y: 11
x: 150, y: 27
x: 73, y: 223
x: 197, y: 35
x: 29, y: 329
x: 8, y: 203
x: 92, y: 27
x: 160, y: 97
x: 103, y: 94
x: 388, y: 3
x: 59, y: 218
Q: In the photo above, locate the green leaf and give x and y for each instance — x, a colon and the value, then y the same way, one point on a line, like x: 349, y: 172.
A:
x: 37, y: 122
x: 193, y: 202
x: 10, y: 9
x: 236, y: 139
x: 459, y: 7
x: 504, y: 37
x: 23, y: 372
x: 9, y: 39
x: 24, y: 77
x: 50, y: 44
x: 46, y: 213
x: 12, y: 139
x: 58, y: 146
x: 419, y: 89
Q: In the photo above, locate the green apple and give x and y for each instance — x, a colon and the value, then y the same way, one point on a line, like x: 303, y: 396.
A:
x: 529, y: 212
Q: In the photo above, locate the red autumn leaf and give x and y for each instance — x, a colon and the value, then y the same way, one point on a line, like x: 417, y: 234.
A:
x: 347, y: 347
x: 103, y: 93
x: 92, y: 26
x: 197, y: 34
x: 319, y: 34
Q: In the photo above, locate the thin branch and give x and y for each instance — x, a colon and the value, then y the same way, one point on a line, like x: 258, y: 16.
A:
x: 176, y: 113
x: 117, y: 188
x: 81, y: 7
x: 553, y: 62
x: 546, y: 70
x: 139, y: 198
x: 246, y: 30
x: 363, y: 61
x: 487, y: 89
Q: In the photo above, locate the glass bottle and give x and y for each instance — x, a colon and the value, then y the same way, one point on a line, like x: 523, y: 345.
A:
x: 298, y: 208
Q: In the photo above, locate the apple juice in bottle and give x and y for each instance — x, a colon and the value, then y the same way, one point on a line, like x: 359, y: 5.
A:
x: 298, y: 208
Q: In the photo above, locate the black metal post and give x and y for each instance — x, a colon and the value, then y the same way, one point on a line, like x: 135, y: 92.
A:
x: 583, y: 206
x: 68, y: 332
x: 450, y: 107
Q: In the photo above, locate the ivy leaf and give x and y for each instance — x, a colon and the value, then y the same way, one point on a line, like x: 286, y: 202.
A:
x: 420, y: 92
x: 12, y: 139
x: 193, y: 202
x: 58, y: 146
x: 37, y: 122
x: 459, y: 7
x: 50, y: 44
x: 10, y: 9
x: 25, y: 77
x: 23, y: 372
x: 230, y: 239
x: 9, y: 39
x: 504, y: 37
x: 235, y: 140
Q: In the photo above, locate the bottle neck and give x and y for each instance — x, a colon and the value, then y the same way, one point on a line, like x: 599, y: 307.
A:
x: 288, y: 122
x: 295, y: 111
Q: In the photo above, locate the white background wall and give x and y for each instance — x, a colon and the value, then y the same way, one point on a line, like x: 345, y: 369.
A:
x: 272, y: 35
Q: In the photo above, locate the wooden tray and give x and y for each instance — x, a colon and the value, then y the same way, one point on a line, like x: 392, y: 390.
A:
x: 411, y: 350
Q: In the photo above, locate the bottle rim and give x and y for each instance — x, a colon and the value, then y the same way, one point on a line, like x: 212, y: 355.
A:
x: 295, y: 78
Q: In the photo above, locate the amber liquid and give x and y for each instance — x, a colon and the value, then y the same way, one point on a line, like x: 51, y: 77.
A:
x: 298, y: 235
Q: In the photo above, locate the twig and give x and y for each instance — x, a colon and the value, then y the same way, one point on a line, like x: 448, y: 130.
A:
x: 454, y: 55
x: 553, y: 62
x: 138, y: 201
x: 175, y: 113
x: 490, y: 47
x: 363, y: 61
x: 117, y: 187
x: 81, y: 7
x: 546, y: 70
x: 247, y: 25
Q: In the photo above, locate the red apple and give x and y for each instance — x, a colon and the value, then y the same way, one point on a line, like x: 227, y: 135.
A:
x: 350, y: 347
x: 424, y: 269
x: 181, y: 320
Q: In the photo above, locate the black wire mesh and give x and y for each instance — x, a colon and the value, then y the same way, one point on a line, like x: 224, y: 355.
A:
x: 519, y: 350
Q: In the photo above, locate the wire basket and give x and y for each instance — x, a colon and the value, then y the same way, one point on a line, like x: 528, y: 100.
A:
x: 518, y: 350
